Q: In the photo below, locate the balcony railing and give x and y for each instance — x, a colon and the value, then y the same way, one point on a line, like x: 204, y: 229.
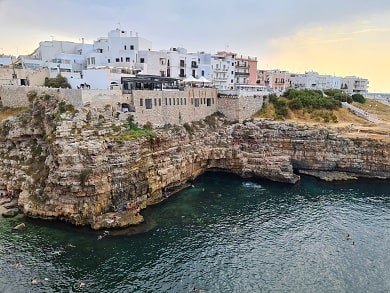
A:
x: 221, y: 69
x: 242, y: 73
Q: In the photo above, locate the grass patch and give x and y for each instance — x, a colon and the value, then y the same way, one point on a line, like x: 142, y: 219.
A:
x: 6, y: 112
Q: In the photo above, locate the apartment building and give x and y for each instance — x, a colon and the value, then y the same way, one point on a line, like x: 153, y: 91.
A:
x: 275, y: 79
x: 354, y: 85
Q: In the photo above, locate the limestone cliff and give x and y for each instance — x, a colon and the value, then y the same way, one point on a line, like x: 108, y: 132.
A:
x: 74, y: 165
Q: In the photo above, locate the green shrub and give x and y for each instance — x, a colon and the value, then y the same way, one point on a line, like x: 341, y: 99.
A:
x: 358, y: 98
x: 57, y: 82
x: 84, y: 174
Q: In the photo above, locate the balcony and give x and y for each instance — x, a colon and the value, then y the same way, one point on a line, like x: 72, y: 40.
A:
x: 238, y: 73
x: 221, y: 69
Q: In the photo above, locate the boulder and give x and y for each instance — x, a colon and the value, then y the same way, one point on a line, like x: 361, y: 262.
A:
x: 10, y: 213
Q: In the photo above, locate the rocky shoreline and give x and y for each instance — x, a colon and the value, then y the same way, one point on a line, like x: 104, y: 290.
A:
x: 76, y: 167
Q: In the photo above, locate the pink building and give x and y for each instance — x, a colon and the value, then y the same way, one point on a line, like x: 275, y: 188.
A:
x: 274, y: 79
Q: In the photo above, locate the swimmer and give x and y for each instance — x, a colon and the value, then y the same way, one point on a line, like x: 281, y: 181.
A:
x: 17, y: 265
x: 71, y: 245
x: 35, y: 281
x: 347, y: 236
x: 82, y: 284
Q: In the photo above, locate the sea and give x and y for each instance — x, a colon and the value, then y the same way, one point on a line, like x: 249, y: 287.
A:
x: 223, y: 234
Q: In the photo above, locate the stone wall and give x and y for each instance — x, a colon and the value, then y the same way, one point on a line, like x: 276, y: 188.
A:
x: 239, y: 108
x: 101, y: 98
x: 16, y: 96
x: 173, y: 107
x: 157, y: 107
x: 34, y: 77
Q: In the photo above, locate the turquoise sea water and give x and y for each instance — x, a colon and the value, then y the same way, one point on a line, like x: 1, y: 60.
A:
x: 225, y: 234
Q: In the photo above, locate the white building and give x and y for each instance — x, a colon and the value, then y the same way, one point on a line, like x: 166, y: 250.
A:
x: 5, y: 60
x: 204, y: 65
x: 119, y: 49
x: 58, y: 56
x: 354, y: 85
x: 313, y: 80
x: 223, y: 71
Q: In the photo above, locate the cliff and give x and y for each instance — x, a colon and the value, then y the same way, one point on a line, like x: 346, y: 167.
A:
x: 79, y: 166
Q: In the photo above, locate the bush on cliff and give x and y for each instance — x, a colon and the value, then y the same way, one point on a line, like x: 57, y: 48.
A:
x: 319, y: 107
x: 338, y: 95
x: 133, y: 132
x: 358, y: 98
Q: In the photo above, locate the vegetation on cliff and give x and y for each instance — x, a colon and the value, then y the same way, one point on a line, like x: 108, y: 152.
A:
x: 57, y: 82
x: 131, y: 131
x: 318, y: 105
x: 6, y: 112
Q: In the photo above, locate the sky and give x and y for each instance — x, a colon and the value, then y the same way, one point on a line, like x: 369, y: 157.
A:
x: 335, y: 37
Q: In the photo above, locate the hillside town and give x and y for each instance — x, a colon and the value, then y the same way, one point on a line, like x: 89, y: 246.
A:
x: 124, y: 54
x: 123, y: 72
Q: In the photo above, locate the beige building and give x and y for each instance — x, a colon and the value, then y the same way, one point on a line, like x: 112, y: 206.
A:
x: 9, y: 75
x: 354, y: 85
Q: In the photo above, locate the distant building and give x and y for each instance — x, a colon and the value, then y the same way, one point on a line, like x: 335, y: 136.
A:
x: 354, y: 85
x: 313, y: 80
x: 274, y: 80
x: 5, y: 60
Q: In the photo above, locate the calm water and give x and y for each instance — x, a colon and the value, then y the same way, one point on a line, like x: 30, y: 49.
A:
x: 223, y: 235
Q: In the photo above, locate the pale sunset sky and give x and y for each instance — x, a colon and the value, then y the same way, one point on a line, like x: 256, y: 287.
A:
x: 336, y: 37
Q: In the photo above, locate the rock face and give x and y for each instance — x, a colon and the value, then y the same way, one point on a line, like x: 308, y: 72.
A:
x: 74, y: 165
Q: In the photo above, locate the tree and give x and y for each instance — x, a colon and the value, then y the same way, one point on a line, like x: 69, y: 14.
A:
x: 57, y: 82
x: 358, y: 98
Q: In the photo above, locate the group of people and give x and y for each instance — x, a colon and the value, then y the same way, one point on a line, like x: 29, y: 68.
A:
x: 132, y: 206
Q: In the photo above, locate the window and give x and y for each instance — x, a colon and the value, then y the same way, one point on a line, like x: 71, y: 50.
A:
x: 196, y: 102
x: 159, y: 102
x: 155, y: 102
x: 202, y: 72
x: 125, y: 47
x: 121, y: 59
x: 142, y: 60
x: 177, y: 101
x: 148, y: 103
x: 127, y: 59
x: 117, y: 59
x: 141, y: 102
x: 131, y: 47
x: 182, y: 63
x: 208, y: 102
x: 170, y: 102
x: 109, y: 60
x: 193, y: 73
